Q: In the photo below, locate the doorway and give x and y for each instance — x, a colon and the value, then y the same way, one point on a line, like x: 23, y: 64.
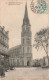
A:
x: 28, y: 63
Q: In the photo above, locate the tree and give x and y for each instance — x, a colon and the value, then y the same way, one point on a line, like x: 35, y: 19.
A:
x: 42, y: 40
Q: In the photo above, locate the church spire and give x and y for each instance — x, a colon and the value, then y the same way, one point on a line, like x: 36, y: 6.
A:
x: 26, y: 12
x: 26, y: 19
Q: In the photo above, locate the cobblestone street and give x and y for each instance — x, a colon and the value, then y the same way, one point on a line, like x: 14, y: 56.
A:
x: 27, y: 74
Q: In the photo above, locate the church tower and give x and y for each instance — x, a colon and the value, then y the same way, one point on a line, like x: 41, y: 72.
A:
x: 26, y: 37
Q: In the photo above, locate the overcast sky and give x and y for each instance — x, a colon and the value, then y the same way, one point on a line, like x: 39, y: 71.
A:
x: 11, y: 16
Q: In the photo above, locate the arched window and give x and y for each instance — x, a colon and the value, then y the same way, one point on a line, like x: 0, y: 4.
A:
x: 28, y: 41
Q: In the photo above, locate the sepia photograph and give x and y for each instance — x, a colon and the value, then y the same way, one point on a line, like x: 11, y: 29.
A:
x: 24, y: 39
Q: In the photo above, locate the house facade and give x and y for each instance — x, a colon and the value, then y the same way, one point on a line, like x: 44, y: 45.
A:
x: 4, y: 45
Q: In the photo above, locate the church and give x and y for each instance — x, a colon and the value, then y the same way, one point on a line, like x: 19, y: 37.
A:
x: 21, y: 55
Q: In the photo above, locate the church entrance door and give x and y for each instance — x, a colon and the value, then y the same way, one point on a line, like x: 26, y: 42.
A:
x: 28, y: 63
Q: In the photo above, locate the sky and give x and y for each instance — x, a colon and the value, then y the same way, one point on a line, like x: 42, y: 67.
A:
x: 11, y: 16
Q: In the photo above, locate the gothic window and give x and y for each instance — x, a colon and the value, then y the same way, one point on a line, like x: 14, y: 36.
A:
x: 28, y: 41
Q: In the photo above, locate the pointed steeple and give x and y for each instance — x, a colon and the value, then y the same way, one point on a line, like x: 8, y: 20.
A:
x: 26, y: 19
x: 26, y: 12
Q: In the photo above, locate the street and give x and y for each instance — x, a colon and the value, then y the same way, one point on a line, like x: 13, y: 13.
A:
x: 27, y: 74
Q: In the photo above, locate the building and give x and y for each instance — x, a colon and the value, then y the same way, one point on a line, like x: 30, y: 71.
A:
x: 21, y: 55
x: 4, y: 39
x: 16, y: 57
x: 4, y: 45
x: 42, y: 62
x: 46, y: 61
x: 26, y: 37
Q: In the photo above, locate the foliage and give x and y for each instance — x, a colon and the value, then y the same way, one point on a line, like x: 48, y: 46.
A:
x: 41, y: 39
